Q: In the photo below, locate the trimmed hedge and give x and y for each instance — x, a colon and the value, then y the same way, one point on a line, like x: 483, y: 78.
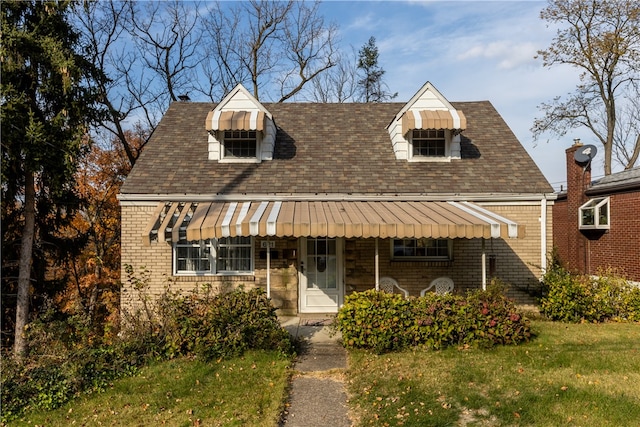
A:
x: 581, y: 298
x: 383, y: 322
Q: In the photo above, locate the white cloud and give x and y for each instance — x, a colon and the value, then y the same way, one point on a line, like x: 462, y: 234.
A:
x: 470, y: 50
x: 506, y: 54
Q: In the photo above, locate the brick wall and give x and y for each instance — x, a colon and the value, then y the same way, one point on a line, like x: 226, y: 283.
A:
x: 516, y: 261
x: 589, y: 252
x: 157, y: 260
x: 619, y: 247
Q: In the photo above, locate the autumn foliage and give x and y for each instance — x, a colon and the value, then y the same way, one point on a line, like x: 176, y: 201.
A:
x: 92, y: 269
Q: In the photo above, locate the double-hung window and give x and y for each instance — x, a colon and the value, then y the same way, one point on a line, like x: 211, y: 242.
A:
x: 594, y: 214
x: 227, y: 255
x: 423, y: 249
x: 240, y: 144
x: 428, y: 143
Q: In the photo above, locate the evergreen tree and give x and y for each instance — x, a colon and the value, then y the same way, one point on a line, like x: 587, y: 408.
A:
x: 47, y: 104
x: 371, y: 85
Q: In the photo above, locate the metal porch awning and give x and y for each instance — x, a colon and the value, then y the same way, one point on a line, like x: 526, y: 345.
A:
x: 175, y: 221
x: 433, y: 119
x: 235, y: 120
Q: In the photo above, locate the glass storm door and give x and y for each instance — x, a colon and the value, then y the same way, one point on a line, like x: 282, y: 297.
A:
x: 320, y: 268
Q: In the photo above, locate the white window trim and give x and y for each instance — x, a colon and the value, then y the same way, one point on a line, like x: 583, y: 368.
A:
x: 223, y: 159
x: 595, y: 205
x: 449, y: 257
x: 447, y: 149
x: 212, y: 244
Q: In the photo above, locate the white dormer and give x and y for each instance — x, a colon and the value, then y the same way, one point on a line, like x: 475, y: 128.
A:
x: 240, y: 129
x: 427, y: 128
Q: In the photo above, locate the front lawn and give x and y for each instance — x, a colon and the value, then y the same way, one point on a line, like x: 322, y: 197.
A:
x: 571, y: 374
x: 244, y: 391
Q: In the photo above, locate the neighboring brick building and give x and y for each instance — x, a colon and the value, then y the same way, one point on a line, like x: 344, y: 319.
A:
x: 596, y: 225
x: 314, y: 201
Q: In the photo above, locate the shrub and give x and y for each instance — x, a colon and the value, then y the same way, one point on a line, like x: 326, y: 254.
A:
x: 203, y: 322
x: 384, y: 322
x: 582, y: 298
x: 66, y: 356
x: 436, y: 320
x: 225, y: 325
x: 375, y: 320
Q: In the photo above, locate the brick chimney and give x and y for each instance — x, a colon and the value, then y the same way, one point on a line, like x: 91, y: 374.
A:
x: 578, y: 180
x: 578, y: 175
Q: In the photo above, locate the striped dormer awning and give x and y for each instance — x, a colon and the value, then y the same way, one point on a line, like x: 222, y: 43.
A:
x: 236, y: 120
x: 179, y: 221
x: 433, y: 119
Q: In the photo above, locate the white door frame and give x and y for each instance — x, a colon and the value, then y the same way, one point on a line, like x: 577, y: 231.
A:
x: 314, y: 299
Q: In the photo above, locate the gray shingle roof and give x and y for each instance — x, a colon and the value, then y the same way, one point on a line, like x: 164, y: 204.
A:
x: 619, y: 181
x: 333, y: 148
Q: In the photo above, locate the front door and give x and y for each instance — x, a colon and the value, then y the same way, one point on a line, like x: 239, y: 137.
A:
x: 321, y: 276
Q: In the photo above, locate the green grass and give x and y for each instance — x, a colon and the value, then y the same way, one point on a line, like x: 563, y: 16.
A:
x: 578, y: 375
x: 247, y: 391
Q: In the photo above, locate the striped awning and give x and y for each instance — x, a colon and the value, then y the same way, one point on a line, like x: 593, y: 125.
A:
x: 235, y: 120
x: 433, y: 119
x: 174, y: 221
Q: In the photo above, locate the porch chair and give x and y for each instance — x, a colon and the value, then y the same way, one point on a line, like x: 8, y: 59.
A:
x: 442, y: 285
x: 387, y: 284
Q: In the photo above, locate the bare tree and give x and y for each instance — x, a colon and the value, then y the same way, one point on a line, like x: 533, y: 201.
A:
x: 626, y: 140
x: 102, y: 25
x: 168, y: 40
x: 602, y: 40
x: 149, y: 53
x: 309, y: 45
x: 264, y: 43
x: 338, y: 84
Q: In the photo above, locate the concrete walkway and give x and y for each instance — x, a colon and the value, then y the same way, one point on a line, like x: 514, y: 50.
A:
x: 317, y: 397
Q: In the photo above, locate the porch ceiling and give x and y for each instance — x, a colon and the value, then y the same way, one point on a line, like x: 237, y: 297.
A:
x: 173, y: 221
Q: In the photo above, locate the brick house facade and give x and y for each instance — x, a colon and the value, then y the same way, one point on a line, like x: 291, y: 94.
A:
x: 314, y: 201
x: 616, y: 244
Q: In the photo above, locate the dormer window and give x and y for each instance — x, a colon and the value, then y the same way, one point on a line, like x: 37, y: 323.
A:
x: 427, y: 128
x: 240, y: 129
x: 240, y: 144
x: 428, y: 143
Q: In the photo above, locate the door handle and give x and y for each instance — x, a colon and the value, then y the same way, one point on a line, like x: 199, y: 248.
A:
x: 302, y: 267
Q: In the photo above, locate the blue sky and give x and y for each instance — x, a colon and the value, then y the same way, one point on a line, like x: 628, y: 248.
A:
x: 470, y: 51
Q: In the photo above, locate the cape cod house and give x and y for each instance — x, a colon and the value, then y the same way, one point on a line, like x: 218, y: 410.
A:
x: 314, y: 201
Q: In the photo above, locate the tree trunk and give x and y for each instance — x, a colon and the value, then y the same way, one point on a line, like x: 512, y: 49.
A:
x: 24, y: 275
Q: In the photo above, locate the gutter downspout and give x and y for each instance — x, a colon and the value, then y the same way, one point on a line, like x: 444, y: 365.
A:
x: 377, y: 267
x: 268, y: 269
x: 543, y: 235
x: 484, y: 267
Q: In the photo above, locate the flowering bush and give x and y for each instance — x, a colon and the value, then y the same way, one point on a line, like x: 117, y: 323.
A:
x: 386, y: 322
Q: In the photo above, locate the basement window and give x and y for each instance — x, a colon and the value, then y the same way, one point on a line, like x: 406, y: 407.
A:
x: 594, y: 215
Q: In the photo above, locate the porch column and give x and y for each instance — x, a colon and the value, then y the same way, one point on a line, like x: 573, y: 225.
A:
x: 377, y: 267
x: 484, y: 267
